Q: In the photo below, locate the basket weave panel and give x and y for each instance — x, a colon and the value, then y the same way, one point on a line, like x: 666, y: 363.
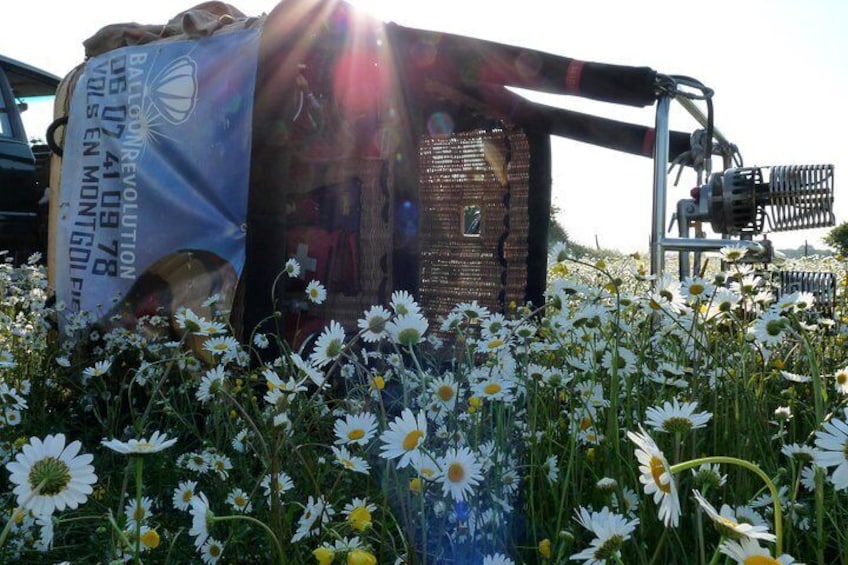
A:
x: 488, y: 169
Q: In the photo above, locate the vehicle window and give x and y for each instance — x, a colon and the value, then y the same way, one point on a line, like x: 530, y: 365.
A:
x: 5, y: 123
x: 5, y: 126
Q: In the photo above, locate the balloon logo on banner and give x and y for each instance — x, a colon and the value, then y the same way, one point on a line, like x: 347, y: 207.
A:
x: 174, y: 91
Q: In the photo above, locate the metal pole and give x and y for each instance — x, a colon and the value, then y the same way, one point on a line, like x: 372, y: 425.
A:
x: 660, y: 183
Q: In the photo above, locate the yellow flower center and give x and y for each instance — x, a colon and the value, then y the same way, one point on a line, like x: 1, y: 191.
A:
x: 760, y: 560
x: 456, y: 472
x: 412, y: 440
x: 415, y: 485
x: 495, y: 343
x: 360, y: 518
x: 695, y: 289
x: 187, y: 495
x: 492, y: 388
x: 215, y: 550
x: 150, y: 539
x: 356, y: 434
x: 841, y: 378
x: 139, y: 513
x: 657, y: 470
x: 445, y: 393
x: 52, y: 474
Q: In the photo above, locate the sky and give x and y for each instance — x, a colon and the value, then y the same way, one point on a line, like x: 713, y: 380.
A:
x: 779, y: 70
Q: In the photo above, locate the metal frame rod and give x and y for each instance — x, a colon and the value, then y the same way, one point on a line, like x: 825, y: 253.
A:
x: 699, y: 116
x: 702, y: 244
x: 660, y: 184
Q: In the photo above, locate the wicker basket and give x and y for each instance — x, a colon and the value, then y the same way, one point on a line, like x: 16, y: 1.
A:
x: 463, y: 173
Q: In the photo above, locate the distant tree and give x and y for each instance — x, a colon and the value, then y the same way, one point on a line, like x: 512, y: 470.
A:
x: 838, y: 238
x: 557, y: 233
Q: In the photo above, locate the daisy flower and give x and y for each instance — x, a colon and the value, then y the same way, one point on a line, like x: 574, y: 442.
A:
x: 292, y: 268
x: 350, y: 462
x: 239, y: 501
x: 494, y: 388
x: 211, y: 551
x: 403, y: 303
x: 221, y: 345
x: 221, y: 464
x: 461, y: 472
x: 558, y: 252
x: 48, y: 475
x: 832, y: 442
x: 143, y: 446
x: 729, y: 525
x: 187, y: 320
x: 733, y: 253
x: 329, y: 345
x: 445, y: 391
x: 315, y: 510
x: 747, y: 551
x: 284, y: 484
x: 611, y: 530
x: 137, y: 513
x: 315, y: 292
x: 211, y: 383
x: 770, y: 328
x: 407, y: 329
x: 355, y: 429
x: 676, y: 417
x: 200, y: 514
x: 840, y: 379
x: 497, y: 559
x: 99, y: 369
x: 551, y: 469
x: 656, y: 476
x: 373, y: 324
x: 666, y: 295
x: 403, y: 438
x: 183, y: 494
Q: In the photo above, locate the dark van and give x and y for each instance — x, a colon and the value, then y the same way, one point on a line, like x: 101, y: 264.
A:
x: 24, y: 165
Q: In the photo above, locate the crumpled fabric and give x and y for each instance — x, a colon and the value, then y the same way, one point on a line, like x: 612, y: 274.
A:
x: 196, y: 22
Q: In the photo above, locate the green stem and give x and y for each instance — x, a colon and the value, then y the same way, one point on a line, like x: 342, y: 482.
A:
x: 277, y: 545
x: 139, y: 466
x: 20, y: 508
x: 778, y: 514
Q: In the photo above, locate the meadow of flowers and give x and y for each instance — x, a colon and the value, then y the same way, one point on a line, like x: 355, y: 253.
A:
x: 626, y: 420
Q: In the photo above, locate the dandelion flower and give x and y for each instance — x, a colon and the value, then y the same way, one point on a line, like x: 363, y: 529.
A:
x: 315, y: 292
x: 676, y: 417
x: 832, y: 442
x: 143, y: 446
x: 656, y: 477
x: 403, y: 438
x: 358, y: 514
x: 461, y: 472
x: 611, y: 530
x: 747, y: 551
x: 729, y: 525
x: 64, y: 476
x: 359, y: 556
x: 355, y: 429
